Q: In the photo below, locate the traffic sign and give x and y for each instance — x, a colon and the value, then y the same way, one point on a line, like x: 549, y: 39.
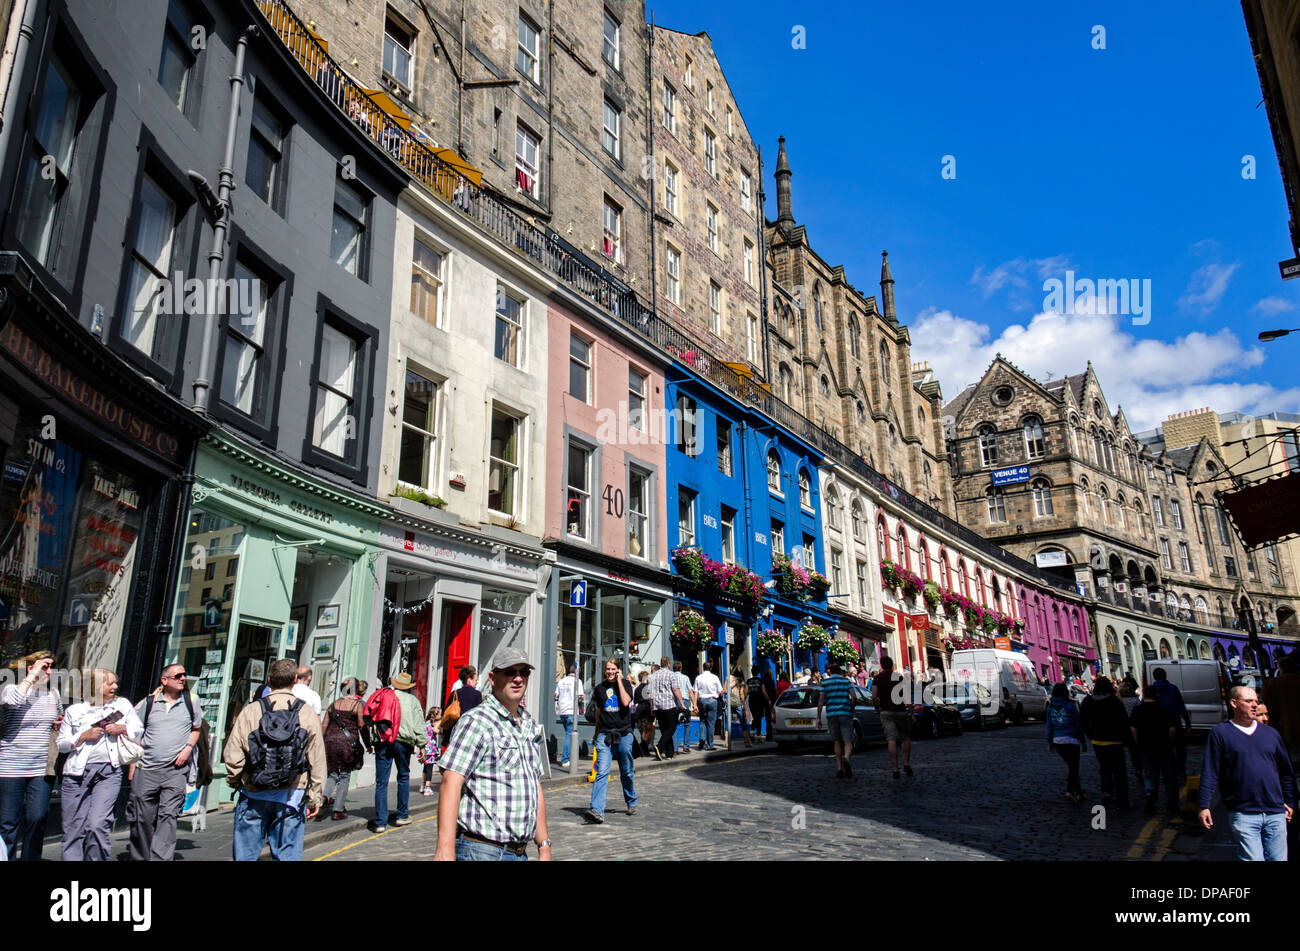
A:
x: 1290, y: 269
x: 578, y: 594
x: 212, y: 614
x: 78, y: 613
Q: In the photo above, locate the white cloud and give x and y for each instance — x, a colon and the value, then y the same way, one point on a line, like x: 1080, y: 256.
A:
x: 1209, y: 282
x: 1012, y: 273
x: 1272, y: 306
x: 1149, y: 378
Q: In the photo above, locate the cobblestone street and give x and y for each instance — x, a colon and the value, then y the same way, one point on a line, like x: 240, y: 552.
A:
x: 996, y: 795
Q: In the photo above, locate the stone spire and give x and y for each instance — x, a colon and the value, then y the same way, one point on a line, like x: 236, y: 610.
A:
x: 887, y: 288
x: 785, y: 213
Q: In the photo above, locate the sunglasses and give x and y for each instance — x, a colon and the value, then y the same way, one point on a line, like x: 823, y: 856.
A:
x: 180, y: 676
x: 513, y: 672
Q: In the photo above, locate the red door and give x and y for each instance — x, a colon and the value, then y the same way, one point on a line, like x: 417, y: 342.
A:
x: 457, y: 619
x: 422, y: 652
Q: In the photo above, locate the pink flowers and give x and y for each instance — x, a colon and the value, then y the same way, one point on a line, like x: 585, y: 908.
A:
x: 795, y: 581
x: 727, y: 579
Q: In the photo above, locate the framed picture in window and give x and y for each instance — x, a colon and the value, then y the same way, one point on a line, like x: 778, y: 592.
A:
x: 327, y: 615
x: 323, y: 647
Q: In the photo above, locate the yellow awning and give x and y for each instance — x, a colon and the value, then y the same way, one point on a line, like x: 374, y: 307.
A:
x: 389, y: 105
x: 459, y: 164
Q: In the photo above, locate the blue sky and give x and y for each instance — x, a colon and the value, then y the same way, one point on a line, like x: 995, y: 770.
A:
x: 1123, y: 162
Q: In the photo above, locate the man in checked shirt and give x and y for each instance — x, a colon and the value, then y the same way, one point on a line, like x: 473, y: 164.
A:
x: 490, y: 803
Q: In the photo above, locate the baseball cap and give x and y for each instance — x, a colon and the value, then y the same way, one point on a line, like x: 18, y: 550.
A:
x: 511, y: 657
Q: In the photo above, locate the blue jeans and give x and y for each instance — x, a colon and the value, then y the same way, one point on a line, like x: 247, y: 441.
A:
x: 24, y: 803
x: 261, y: 822
x: 1259, y: 838
x: 708, y: 717
x: 566, y: 722
x: 468, y: 851
x: 386, y: 754
x: 623, y: 750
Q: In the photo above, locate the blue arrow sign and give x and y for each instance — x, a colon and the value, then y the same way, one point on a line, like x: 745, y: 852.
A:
x: 578, y: 594
x: 78, y: 613
x: 1011, y: 475
x: 212, y: 614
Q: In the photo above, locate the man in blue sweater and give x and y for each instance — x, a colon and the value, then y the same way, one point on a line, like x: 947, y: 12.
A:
x: 1248, y: 763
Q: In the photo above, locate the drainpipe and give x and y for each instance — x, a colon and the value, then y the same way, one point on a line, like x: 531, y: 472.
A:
x: 18, y: 65
x: 550, y: 111
x: 650, y: 136
x: 225, y: 185
x: 163, y: 629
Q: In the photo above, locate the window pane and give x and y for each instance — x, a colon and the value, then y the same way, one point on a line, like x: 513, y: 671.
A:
x: 345, y: 242
x: 249, y: 304
x: 330, y: 431
x: 56, y: 124
x: 174, y: 67
x: 426, y: 282
x: 337, y: 353
x: 239, y: 376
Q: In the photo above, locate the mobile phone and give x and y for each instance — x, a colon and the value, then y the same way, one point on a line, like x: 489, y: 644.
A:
x: 112, y: 718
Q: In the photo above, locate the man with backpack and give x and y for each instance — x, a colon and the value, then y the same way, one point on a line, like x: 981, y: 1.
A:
x: 275, y: 757
x: 171, y: 733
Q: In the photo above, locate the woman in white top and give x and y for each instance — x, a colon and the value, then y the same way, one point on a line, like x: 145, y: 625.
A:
x: 92, y: 773
x: 31, y: 712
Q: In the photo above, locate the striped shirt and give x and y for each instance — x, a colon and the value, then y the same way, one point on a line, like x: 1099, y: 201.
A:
x: 25, y: 738
x: 662, y: 682
x: 502, y: 766
x: 836, y: 689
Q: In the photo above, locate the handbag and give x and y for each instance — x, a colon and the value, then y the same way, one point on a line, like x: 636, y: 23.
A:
x: 128, y: 750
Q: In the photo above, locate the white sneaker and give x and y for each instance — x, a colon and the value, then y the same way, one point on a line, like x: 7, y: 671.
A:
x: 564, y: 764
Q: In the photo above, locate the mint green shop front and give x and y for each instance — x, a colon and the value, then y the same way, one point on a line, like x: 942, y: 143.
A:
x: 277, y: 564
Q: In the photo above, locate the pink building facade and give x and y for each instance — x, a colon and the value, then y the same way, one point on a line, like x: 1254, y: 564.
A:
x: 605, y: 516
x: 1057, y: 634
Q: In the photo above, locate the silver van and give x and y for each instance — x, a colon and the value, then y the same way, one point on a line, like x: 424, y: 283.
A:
x: 1203, y: 684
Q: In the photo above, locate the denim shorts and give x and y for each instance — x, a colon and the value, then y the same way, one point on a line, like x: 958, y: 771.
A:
x: 841, y: 728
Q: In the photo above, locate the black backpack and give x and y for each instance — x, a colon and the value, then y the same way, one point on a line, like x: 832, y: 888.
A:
x: 277, y: 749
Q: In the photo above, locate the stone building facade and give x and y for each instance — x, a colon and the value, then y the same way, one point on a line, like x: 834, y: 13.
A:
x: 707, y: 201
x: 1272, y: 26
x: 548, y: 100
x: 1131, y: 521
x: 843, y: 359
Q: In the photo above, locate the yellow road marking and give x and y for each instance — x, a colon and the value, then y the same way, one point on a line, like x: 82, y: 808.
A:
x: 369, y: 838
x: 1166, y: 843
x: 1139, y: 844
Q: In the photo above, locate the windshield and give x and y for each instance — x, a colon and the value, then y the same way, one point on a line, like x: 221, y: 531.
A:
x: 800, y: 698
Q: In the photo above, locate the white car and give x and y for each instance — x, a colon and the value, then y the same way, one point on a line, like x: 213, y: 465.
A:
x: 794, y: 719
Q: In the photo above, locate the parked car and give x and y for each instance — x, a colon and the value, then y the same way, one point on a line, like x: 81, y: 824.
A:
x: 974, y: 705
x: 935, y: 717
x: 795, y: 718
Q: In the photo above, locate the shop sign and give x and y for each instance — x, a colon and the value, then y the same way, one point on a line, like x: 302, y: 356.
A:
x: 273, y: 497
x: 116, y: 417
x: 475, y: 557
x: 1002, y: 643
x: 1011, y: 475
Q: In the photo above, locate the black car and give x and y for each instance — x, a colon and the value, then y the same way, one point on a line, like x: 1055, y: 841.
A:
x: 972, y: 702
x: 935, y: 718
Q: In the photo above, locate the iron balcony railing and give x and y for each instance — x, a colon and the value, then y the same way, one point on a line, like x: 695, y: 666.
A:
x: 560, y: 258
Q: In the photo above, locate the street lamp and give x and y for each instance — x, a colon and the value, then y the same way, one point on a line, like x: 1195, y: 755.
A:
x: 1267, y: 335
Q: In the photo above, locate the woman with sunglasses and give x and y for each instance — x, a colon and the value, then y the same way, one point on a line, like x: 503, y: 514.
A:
x: 92, y: 773
x: 32, y: 711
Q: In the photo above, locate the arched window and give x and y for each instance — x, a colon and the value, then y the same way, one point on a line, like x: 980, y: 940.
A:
x: 1098, y: 454
x: 884, y: 362
x: 1103, y: 502
x: 1056, y: 619
x: 988, y: 446
x: 882, y: 539
x: 805, y: 489
x: 1202, y: 611
x: 961, y: 577
x: 1185, y: 608
x: 1139, y: 519
x: 1165, y: 652
x: 826, y: 386
x: 893, y: 436
x: 856, y: 513
x: 997, y: 506
x: 1034, y: 446
x: 817, y: 306
x: 833, y: 508
x: 1087, y: 502
x: 862, y: 412
x: 925, y: 477
x: 1074, y: 618
x: 774, y: 471
x: 945, y: 576
x: 997, y: 593
x: 1042, y: 498
x: 787, y: 382
x: 923, y: 547
x: 979, y: 586
x: 853, y: 336
x: 1223, y: 612
x: 1119, y: 509
x: 904, y: 553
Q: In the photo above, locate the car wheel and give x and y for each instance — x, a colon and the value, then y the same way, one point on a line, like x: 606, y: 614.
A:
x: 857, y: 736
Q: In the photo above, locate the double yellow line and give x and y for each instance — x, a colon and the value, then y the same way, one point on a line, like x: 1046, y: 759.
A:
x: 1162, y: 847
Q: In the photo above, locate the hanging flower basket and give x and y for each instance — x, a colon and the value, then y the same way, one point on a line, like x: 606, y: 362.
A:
x: 772, y: 646
x: 989, y: 621
x: 1019, y: 625
x: 844, y: 652
x: 889, y: 574
x: 791, y: 580
x: 959, y: 643
x: 690, y: 563
x: 690, y: 632
x: 818, y: 585
x: 932, y: 594
x: 971, y: 614
x: 812, y: 637
x: 910, y: 583
x: 718, y: 576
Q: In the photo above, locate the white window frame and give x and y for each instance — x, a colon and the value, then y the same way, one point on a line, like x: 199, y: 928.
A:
x: 997, y: 506
x: 711, y: 226
x: 346, y: 394
x: 520, y: 326
x: 526, y: 142
x: 805, y: 490
x: 988, y: 444
x: 145, y: 271
x: 515, y: 468
x: 686, y: 497
x: 611, y: 125
x: 612, y: 231
x: 586, y: 525
x: 670, y: 187
x: 430, y: 435
x: 640, y: 522
x: 1176, y: 511
x: 673, y: 274
x: 1184, y: 557
x: 715, y: 308
x: 1164, y: 554
x: 438, y: 280
x: 778, y: 538
x: 749, y: 262
x: 774, y: 472
x: 746, y: 191
x: 533, y: 52
x: 607, y: 43
x: 708, y: 97
x: 710, y: 153
x: 636, y: 402
x: 751, y: 337
x: 1043, y: 500
x: 583, y: 362
x: 395, y: 43
x: 727, y: 529
x: 670, y: 107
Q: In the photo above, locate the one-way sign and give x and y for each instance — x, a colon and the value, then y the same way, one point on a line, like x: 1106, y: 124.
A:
x: 578, y: 594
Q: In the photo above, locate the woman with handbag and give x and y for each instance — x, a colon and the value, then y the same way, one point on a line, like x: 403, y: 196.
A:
x: 345, y: 745
x: 32, y: 712
x: 99, y: 738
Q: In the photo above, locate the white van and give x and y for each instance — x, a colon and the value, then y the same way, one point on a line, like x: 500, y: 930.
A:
x: 1203, y: 684
x: 1013, y: 688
